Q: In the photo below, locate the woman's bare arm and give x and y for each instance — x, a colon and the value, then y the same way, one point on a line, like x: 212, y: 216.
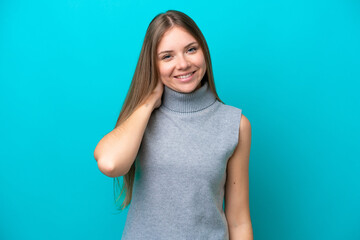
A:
x: 116, y: 151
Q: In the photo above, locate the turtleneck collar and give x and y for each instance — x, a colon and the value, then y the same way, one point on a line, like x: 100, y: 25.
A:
x: 194, y: 101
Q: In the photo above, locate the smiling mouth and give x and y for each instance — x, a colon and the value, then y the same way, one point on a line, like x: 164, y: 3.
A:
x: 186, y: 75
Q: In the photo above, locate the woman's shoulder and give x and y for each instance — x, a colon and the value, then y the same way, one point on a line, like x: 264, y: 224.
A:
x: 245, y: 124
x: 237, y: 112
x: 229, y: 108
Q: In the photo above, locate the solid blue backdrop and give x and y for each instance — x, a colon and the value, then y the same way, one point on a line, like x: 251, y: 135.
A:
x: 292, y: 66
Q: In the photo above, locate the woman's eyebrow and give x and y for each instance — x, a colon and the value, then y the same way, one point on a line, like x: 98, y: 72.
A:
x: 171, y: 50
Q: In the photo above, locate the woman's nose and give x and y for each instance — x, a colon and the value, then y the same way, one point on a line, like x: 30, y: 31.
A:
x: 182, y: 62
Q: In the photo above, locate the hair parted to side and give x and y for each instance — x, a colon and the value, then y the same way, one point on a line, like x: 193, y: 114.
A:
x: 146, y: 76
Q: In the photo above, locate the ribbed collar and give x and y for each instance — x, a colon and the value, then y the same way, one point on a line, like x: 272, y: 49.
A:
x: 188, y: 102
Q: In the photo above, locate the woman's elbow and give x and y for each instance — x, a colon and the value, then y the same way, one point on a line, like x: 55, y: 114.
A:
x: 109, y: 169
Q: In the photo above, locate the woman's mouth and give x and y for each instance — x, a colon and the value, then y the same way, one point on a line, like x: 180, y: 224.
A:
x: 186, y: 77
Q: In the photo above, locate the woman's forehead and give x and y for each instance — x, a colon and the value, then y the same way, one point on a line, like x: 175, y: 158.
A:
x: 174, y: 38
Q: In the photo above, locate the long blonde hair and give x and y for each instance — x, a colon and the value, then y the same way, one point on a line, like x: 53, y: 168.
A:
x: 146, y: 76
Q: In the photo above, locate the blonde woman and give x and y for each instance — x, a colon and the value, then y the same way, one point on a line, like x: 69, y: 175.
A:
x: 180, y: 149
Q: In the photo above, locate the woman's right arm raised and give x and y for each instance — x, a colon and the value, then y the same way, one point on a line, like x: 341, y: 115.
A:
x: 117, y: 150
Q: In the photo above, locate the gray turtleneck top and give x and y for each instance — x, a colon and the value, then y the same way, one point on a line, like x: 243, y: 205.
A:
x: 180, y: 170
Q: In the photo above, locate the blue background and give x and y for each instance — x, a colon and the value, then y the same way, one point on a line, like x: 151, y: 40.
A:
x: 292, y: 66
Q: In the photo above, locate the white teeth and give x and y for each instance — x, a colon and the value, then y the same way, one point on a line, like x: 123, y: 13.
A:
x: 185, y: 76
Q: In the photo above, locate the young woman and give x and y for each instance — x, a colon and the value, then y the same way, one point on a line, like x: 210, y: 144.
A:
x: 179, y: 148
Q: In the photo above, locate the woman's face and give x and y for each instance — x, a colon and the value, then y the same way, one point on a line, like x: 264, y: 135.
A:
x: 180, y: 60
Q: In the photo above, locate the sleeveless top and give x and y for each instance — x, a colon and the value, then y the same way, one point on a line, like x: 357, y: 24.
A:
x: 180, y: 170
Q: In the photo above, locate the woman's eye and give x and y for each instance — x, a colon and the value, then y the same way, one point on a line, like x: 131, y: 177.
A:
x: 165, y: 57
x: 194, y: 49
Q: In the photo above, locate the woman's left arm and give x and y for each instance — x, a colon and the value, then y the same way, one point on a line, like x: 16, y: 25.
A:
x: 237, y: 209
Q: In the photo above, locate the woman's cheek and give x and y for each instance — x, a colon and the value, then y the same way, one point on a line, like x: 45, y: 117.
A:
x: 167, y: 70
